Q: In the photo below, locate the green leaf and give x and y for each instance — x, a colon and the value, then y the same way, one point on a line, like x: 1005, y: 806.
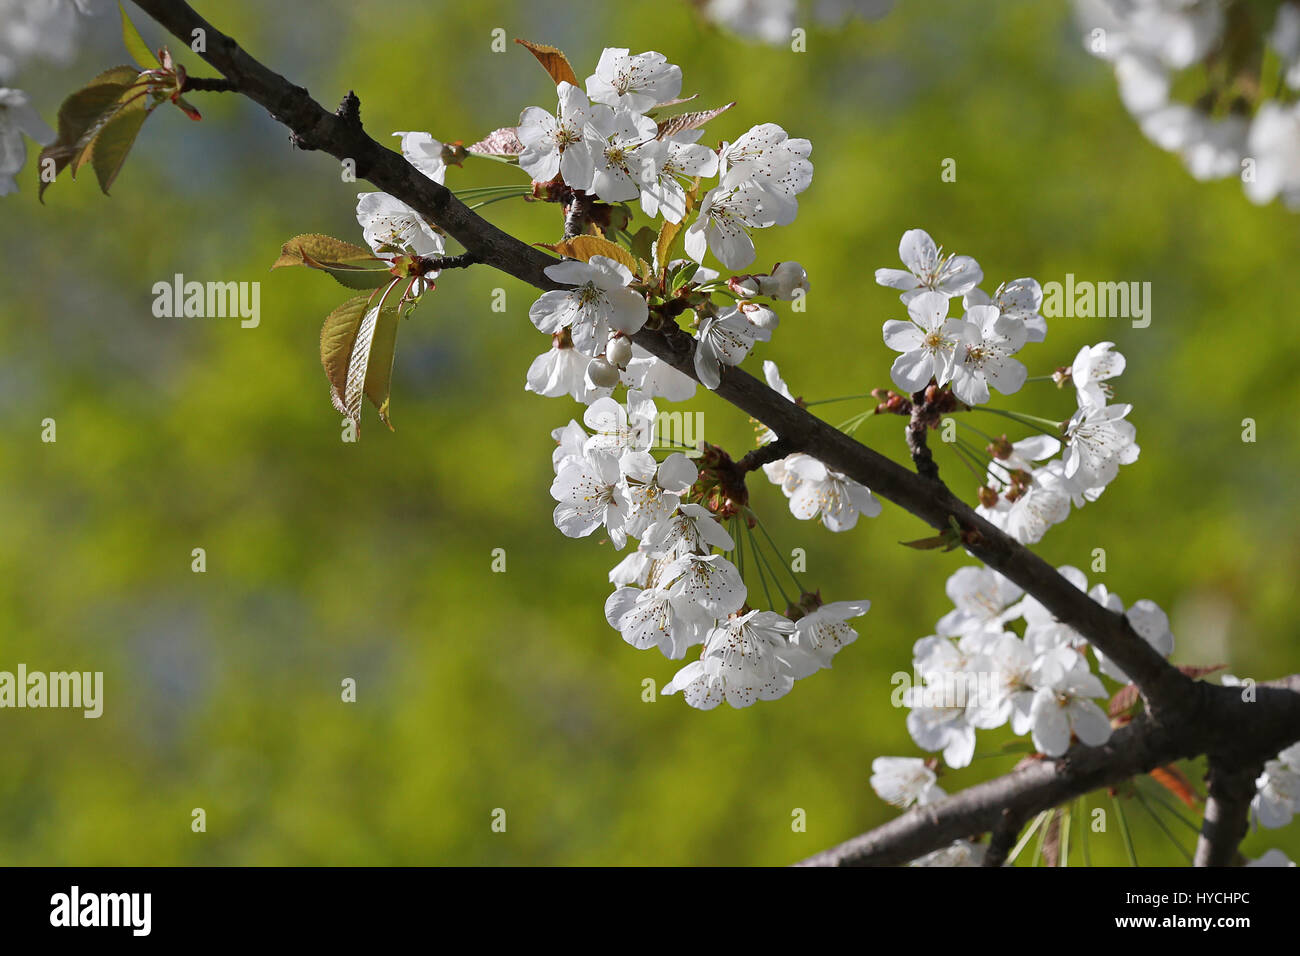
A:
x: 135, y: 44
x: 948, y: 539
x: 357, y: 344
x: 643, y: 243
x: 83, y: 115
x: 682, y: 274
x: 110, y: 147
x: 357, y: 279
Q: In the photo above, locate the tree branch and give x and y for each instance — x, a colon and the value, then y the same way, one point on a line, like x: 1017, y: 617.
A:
x: 1227, y: 812
x: 1218, y: 726
x: 1003, y: 838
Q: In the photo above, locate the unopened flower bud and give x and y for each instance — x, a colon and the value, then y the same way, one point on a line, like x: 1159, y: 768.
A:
x: 760, y: 316
x: 602, y: 374
x: 787, y: 281
x: 1001, y: 449
x: 619, y: 351
x: 745, y: 286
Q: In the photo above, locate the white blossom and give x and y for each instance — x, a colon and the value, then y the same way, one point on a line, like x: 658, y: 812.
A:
x: 904, y: 781
x: 590, y: 495
x: 391, y: 226
x: 928, y: 342
x: 929, y: 269
x: 1018, y: 299
x: 1093, y: 367
x: 824, y: 631
x: 558, y: 144
x: 724, y: 338
x: 1097, y: 442
x: 1062, y: 706
x: 816, y: 491
x: 982, y: 355
x: 745, y: 658
x: 647, y: 618
x: 424, y: 153
x: 636, y: 82
x: 778, y: 166
x: 600, y: 301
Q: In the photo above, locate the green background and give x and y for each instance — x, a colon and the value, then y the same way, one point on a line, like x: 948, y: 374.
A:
x: 481, y: 690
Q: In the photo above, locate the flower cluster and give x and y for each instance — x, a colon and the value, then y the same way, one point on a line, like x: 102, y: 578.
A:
x: 680, y: 588
x: 981, y: 670
x: 613, y: 144
x: 1232, y: 129
x: 1026, y: 489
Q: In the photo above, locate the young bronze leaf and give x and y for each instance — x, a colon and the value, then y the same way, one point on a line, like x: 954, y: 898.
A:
x: 110, y: 147
x: 135, y: 44
x: 685, y: 121
x: 1176, y: 782
x: 667, y: 233
x: 584, y: 247
x: 325, y: 252
x: 553, y: 60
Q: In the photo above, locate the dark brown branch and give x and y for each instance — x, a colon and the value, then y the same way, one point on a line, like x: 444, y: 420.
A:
x: 922, y: 457
x: 1003, y: 838
x: 1227, y: 812
x: 1215, y: 724
x: 765, y: 455
x: 209, y: 84
x: 442, y: 263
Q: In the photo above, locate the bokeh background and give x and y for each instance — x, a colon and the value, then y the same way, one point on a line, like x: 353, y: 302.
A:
x: 481, y: 690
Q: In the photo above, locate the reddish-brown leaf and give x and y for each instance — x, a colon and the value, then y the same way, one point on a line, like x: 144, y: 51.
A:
x: 554, y: 61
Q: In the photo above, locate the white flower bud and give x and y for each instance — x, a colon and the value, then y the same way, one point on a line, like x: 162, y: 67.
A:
x: 745, y: 286
x: 760, y: 316
x: 619, y: 351
x: 787, y: 281
x: 602, y: 374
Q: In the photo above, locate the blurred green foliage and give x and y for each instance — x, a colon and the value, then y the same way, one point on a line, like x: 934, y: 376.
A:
x: 479, y: 690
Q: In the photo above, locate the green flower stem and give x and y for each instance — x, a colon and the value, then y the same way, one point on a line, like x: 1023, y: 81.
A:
x: 775, y: 550
x: 1032, y: 421
x: 841, y: 398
